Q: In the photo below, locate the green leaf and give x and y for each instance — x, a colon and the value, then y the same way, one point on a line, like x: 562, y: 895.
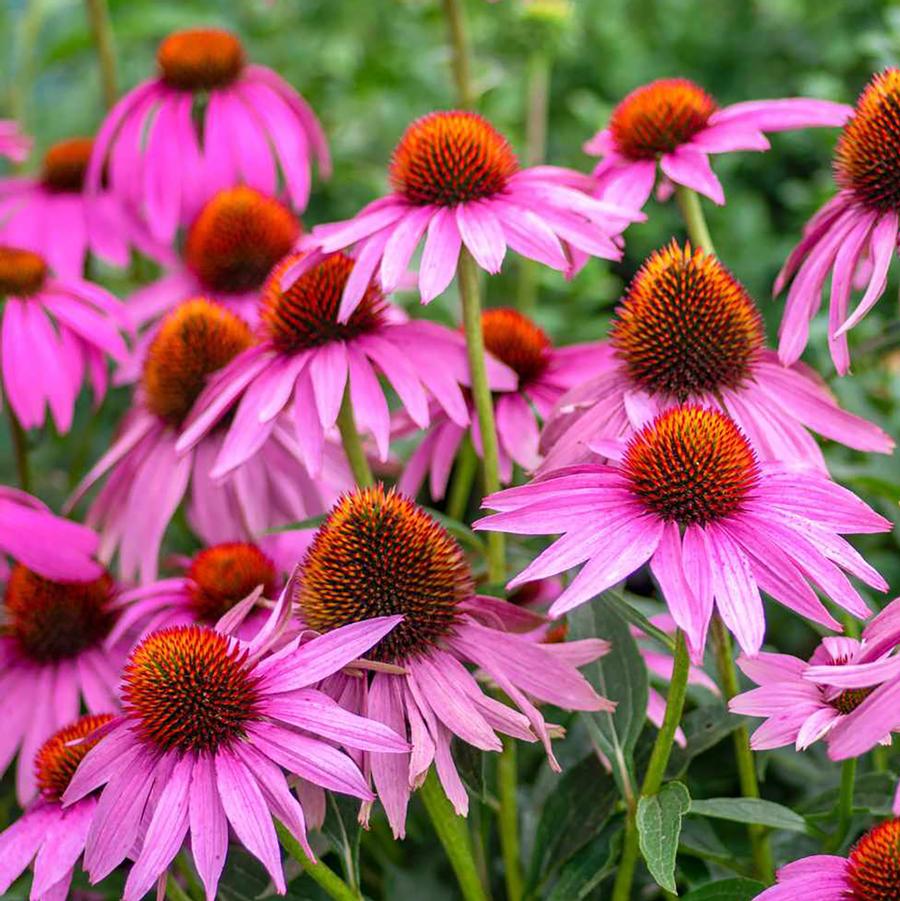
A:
x: 470, y: 762
x: 726, y: 890
x: 459, y: 530
x: 620, y: 676
x: 699, y: 839
x: 750, y: 810
x: 342, y: 828
x: 576, y: 810
x: 659, y: 826
x: 619, y: 600
x: 703, y: 728
x: 589, y: 867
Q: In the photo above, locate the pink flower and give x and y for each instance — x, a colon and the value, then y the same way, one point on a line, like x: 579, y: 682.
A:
x: 456, y: 181
x: 54, y: 204
x: 687, y: 331
x: 53, y: 657
x: 148, y: 478
x: 46, y: 833
x: 689, y: 495
x: 379, y: 551
x: 870, y: 871
x: 800, y: 708
x: 14, y: 145
x: 210, y: 724
x: 854, y: 235
x: 307, y: 358
x: 164, y: 164
x: 54, y: 332
x: 544, y: 373
x: 674, y: 122
x: 53, y: 547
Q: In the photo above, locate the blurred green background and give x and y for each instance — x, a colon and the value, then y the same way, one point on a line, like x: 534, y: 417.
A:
x: 370, y: 66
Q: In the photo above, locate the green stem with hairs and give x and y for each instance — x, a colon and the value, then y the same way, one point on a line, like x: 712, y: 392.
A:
x: 101, y: 30
x: 453, y: 833
x: 743, y: 755
x: 656, y: 767
x: 484, y: 404
x: 844, y: 806
x: 459, y: 50
x: 353, y: 448
x: 20, y: 448
x: 320, y: 872
x: 463, y: 477
x: 507, y: 783
x: 692, y: 213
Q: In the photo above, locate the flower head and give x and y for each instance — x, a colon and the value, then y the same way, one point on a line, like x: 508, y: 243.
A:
x: 858, y: 225
x: 688, y: 494
x: 56, y: 330
x: 675, y: 123
x: 456, y: 181
x: 210, y: 725
x: 217, y: 121
x: 378, y: 553
x: 686, y: 331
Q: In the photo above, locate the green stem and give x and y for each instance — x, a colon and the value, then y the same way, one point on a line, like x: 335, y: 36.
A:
x: 353, y: 448
x: 484, y: 404
x: 759, y: 836
x: 692, y: 213
x: 507, y: 782
x: 463, y: 477
x: 454, y: 836
x: 320, y: 872
x: 844, y: 806
x: 183, y: 866
x: 101, y: 29
x: 174, y: 891
x: 656, y: 768
x: 459, y: 50
x: 20, y: 449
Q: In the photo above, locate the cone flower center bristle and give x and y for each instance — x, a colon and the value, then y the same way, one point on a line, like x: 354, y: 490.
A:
x: 56, y: 620
x: 237, y: 238
x: 22, y: 273
x: 379, y: 554
x: 849, y: 699
x: 873, y: 869
x: 686, y: 326
x: 58, y: 758
x: 195, y: 340
x: 200, y: 59
x: 66, y: 163
x: 225, y: 574
x: 658, y: 117
x: 691, y: 466
x: 867, y: 158
x: 189, y: 688
x: 447, y: 158
x: 305, y: 315
x: 516, y: 341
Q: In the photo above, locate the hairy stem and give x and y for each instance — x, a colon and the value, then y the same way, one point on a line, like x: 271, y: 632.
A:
x: 692, y: 213
x: 844, y: 806
x: 320, y: 872
x: 353, y: 448
x: 463, y: 477
x: 459, y: 50
x: 101, y: 30
x: 507, y: 781
x: 20, y: 449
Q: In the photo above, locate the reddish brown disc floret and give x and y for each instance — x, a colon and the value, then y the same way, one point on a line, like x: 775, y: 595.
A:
x: 222, y: 575
x: 66, y: 163
x: 516, y: 341
x: 873, y: 869
x: 58, y: 758
x: 200, y: 59
x: 22, y: 272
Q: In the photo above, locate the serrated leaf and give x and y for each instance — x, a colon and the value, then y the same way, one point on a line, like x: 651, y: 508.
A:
x: 589, y: 867
x: 659, y: 827
x: 620, y: 676
x: 726, y: 890
x: 750, y: 810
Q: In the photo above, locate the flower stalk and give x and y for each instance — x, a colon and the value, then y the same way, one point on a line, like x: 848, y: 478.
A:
x: 507, y: 779
x: 844, y: 806
x: 692, y: 213
x: 320, y: 872
x: 101, y: 30
x: 20, y: 449
x: 459, y: 50
x: 353, y: 447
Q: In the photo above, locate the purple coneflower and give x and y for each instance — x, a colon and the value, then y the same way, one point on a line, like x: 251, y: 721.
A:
x: 675, y: 123
x: 686, y: 331
x: 164, y: 155
x: 690, y: 496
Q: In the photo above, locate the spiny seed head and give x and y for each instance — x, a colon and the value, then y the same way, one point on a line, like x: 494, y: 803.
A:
x: 22, y: 272
x: 379, y: 554
x: 66, y: 163
x: 236, y: 239
x: 305, y: 315
x: 686, y: 326
x: 447, y: 158
x: 658, y: 117
x: 200, y: 59
x: 516, y: 341
x: 56, y: 620
x: 189, y: 688
x: 873, y: 869
x: 691, y: 465
x: 222, y: 575
x: 867, y: 158
x: 56, y: 761
x: 849, y: 699
x: 196, y: 339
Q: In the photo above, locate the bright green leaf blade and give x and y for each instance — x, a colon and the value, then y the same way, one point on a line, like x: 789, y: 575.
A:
x: 726, y: 890
x: 750, y: 810
x: 659, y: 826
x: 589, y: 867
